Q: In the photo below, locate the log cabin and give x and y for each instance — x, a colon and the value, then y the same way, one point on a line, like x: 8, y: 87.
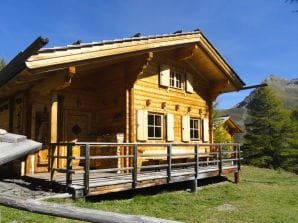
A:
x: 146, y: 89
x: 226, y: 128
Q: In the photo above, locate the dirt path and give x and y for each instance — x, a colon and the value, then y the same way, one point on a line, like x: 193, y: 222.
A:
x: 21, y: 188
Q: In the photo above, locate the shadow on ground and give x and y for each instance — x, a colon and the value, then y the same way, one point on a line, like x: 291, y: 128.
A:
x: 183, y: 186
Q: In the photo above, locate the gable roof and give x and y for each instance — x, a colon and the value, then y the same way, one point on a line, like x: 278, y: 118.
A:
x: 38, y: 59
x: 230, y: 123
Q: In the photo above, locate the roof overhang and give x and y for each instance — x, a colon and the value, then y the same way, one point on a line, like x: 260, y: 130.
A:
x: 37, y: 61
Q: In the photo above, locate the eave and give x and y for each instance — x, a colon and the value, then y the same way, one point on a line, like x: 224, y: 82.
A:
x: 35, y: 63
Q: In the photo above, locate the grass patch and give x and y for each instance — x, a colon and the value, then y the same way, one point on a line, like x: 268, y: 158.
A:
x: 8, y: 215
x: 262, y: 196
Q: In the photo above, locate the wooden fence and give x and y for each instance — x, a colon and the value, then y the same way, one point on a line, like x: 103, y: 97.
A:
x: 165, y: 161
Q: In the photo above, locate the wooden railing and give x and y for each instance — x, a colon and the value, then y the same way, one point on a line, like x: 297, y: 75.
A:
x: 163, y: 156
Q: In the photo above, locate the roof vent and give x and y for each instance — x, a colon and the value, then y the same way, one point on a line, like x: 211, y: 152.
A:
x: 78, y: 42
x: 178, y: 31
x: 137, y: 35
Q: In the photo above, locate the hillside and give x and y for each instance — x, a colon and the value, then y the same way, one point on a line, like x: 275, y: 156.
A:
x: 285, y: 90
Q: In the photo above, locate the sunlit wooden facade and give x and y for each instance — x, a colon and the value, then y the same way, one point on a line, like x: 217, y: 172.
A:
x: 156, y: 89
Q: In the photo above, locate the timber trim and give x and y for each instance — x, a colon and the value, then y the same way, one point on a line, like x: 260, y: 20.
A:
x: 17, y: 64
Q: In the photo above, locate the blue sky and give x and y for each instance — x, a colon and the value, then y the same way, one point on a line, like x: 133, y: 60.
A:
x: 256, y: 37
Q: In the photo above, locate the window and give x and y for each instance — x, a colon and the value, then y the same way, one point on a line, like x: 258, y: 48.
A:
x: 194, y: 129
x: 154, y: 126
x: 177, y: 80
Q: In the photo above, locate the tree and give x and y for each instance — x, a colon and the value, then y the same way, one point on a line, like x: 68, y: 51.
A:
x: 268, y: 130
x: 290, y: 154
x: 2, y: 63
x: 220, y: 135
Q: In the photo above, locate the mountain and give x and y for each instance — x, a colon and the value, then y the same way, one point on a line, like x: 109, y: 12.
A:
x: 285, y: 90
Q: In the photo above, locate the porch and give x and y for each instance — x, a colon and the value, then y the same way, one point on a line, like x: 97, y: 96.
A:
x: 163, y: 164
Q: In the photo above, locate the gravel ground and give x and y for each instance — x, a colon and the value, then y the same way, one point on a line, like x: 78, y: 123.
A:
x: 21, y: 188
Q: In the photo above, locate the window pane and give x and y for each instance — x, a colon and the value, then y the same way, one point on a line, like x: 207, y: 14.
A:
x: 158, y: 132
x: 196, y: 134
x: 157, y: 120
x: 150, y: 132
x: 191, y: 123
x: 195, y: 124
x: 150, y: 119
x: 191, y: 134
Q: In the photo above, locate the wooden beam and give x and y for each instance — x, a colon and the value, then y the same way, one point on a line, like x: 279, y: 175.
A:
x: 185, y: 52
x: 71, y: 212
x: 57, y: 81
x: 216, y: 88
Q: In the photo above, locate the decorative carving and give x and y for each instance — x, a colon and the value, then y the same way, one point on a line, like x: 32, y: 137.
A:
x: 148, y: 102
x: 76, y: 129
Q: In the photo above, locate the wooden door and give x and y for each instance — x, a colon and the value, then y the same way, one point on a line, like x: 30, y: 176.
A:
x: 77, y: 128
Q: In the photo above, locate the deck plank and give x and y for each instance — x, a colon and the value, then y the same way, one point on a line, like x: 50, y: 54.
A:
x: 100, y: 183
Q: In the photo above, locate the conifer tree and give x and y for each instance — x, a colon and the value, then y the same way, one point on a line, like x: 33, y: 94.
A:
x: 267, y: 128
x: 290, y: 154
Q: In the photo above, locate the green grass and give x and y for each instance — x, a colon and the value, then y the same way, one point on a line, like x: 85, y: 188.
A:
x: 262, y: 196
x: 17, y: 216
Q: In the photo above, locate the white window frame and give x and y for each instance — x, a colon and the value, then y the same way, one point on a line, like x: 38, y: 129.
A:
x: 177, y: 80
x: 154, y: 126
x: 193, y: 129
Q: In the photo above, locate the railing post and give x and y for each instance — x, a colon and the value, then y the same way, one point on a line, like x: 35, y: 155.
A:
x: 169, y: 162
x: 220, y: 160
x: 196, y: 151
x: 50, y: 157
x: 69, y: 165
x: 87, y: 168
x: 237, y: 174
x: 54, y: 145
x: 194, y: 183
x: 135, y: 166
x: 238, y: 157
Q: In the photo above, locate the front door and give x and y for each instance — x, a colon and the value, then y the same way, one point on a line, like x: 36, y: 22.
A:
x: 77, y: 128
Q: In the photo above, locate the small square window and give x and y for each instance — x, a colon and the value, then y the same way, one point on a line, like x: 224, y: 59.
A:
x: 177, y: 80
x: 194, y: 129
x: 154, y: 126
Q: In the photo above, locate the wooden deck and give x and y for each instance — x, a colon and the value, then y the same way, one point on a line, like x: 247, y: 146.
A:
x: 169, y: 168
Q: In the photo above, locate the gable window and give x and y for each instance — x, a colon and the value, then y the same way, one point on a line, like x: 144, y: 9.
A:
x: 154, y: 126
x: 177, y: 79
x: 194, y: 129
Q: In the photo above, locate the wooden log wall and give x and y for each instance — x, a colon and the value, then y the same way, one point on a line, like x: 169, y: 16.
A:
x: 150, y: 96
x: 4, y: 115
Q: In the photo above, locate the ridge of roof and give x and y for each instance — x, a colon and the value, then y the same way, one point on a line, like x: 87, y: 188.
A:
x: 107, y: 42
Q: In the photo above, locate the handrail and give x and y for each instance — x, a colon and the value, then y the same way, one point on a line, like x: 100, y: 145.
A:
x: 220, y: 154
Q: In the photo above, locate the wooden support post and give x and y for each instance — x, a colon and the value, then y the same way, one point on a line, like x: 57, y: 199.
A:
x: 135, y: 167
x: 87, y: 169
x: 238, y: 157
x: 220, y: 161
x: 69, y: 165
x: 53, y: 132
x: 196, y: 158
x: 193, y: 185
x: 237, y: 177
x: 169, y: 162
